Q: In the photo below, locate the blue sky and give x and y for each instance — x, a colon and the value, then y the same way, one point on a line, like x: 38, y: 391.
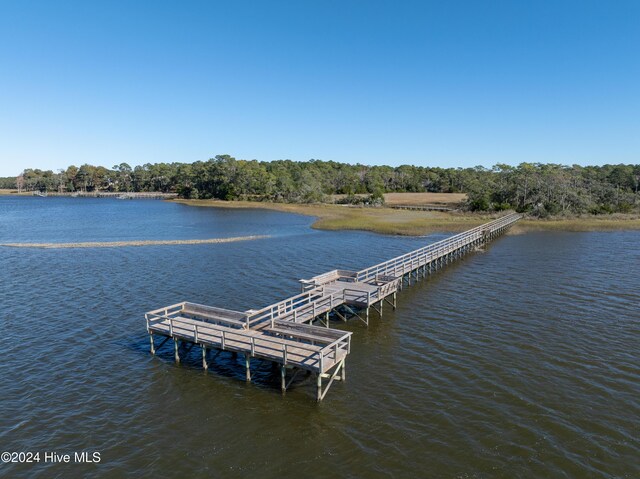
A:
x: 443, y: 83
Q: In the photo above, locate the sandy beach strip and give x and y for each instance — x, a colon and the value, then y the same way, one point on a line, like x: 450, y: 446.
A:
x: 120, y: 244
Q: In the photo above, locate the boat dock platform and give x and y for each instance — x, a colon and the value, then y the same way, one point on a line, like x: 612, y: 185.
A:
x: 284, y: 333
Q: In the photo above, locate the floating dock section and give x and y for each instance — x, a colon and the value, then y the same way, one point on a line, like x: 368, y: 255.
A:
x: 294, y: 333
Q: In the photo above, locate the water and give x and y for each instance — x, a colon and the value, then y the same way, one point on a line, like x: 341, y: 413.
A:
x: 521, y: 361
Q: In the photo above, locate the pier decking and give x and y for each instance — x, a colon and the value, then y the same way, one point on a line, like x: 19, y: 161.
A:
x: 423, y: 207
x: 284, y: 333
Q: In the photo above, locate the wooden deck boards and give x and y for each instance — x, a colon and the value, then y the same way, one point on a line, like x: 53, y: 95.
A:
x: 256, y: 343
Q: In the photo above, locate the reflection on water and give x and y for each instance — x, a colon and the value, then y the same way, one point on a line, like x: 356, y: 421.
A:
x: 522, y: 361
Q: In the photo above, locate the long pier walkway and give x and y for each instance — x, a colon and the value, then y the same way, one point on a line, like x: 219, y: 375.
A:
x: 284, y: 332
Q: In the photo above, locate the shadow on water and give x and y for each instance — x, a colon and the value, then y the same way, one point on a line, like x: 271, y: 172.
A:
x: 225, y: 364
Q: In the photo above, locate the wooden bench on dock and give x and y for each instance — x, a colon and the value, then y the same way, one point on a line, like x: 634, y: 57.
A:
x: 328, y: 278
x: 305, y: 332
x: 214, y: 315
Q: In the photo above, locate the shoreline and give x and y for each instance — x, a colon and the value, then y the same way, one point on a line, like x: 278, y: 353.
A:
x: 416, y: 223
x: 390, y: 221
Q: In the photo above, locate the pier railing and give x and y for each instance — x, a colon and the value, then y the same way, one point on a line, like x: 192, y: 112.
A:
x: 328, y: 278
x: 286, y: 342
x: 408, y: 262
x: 332, y: 342
x: 294, y: 308
x: 163, y: 313
x: 210, y: 314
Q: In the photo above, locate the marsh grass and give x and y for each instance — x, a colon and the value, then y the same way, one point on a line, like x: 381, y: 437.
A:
x: 415, y: 223
x: 376, y: 220
x: 580, y: 223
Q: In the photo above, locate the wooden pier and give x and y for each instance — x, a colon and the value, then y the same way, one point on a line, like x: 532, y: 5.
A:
x: 423, y: 207
x: 284, y: 333
x: 131, y: 195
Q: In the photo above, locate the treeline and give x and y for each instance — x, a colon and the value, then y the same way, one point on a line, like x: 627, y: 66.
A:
x: 7, y: 183
x: 549, y: 189
x: 542, y: 189
x: 224, y: 177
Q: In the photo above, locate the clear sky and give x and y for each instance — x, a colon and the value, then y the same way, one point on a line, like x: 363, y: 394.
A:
x: 441, y: 83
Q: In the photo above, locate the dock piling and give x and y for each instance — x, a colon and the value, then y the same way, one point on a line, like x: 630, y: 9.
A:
x: 283, y: 375
x: 205, y: 365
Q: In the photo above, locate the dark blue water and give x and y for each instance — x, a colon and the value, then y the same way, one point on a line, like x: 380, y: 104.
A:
x: 520, y: 361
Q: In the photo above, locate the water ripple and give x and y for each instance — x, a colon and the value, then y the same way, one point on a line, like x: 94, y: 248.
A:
x: 520, y: 361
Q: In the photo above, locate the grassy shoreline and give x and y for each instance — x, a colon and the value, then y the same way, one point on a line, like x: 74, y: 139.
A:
x: 416, y: 223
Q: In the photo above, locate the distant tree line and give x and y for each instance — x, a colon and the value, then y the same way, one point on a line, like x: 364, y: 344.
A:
x: 541, y: 189
x: 549, y: 189
x: 7, y: 183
